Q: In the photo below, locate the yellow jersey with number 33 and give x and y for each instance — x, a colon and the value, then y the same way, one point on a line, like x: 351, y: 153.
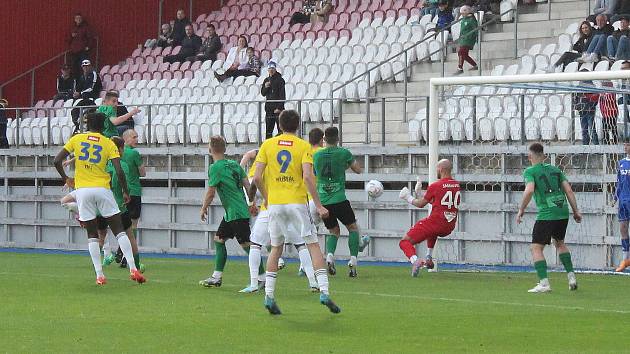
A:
x: 91, y: 151
x: 284, y: 156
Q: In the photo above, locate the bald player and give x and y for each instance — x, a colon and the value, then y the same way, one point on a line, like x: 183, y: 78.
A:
x: 444, y: 197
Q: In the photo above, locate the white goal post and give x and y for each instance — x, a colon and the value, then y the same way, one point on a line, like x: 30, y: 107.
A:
x: 565, y: 85
x: 436, y: 83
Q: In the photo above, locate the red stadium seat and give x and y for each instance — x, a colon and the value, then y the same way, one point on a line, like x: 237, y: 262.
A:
x: 127, y: 77
x: 403, y: 13
x: 323, y: 33
x: 136, y: 53
x: 189, y: 74
x: 184, y: 66
x: 157, y: 75
x: 195, y: 66
x: 165, y: 75
x: 149, y: 60
x: 201, y: 18
x: 147, y: 76
x: 287, y: 36
x: 137, y: 76
x: 379, y: 13
x: 312, y: 35
x: 298, y: 35
x: 391, y: 13
x: 167, y: 51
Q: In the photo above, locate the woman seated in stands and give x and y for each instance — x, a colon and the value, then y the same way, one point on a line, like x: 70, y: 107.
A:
x: 586, y: 35
x: 597, y: 47
x: 251, y: 67
x: 313, y: 11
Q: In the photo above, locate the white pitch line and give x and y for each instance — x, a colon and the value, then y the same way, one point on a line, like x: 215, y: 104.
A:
x: 417, y: 297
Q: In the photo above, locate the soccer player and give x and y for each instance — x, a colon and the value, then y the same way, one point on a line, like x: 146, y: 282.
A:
x: 93, y: 194
x: 287, y: 164
x: 132, y: 158
x: 445, y: 198
x: 227, y: 178
x: 330, y: 164
x: 622, y: 196
x: 551, y: 190
x: 260, y: 236
x: 125, y: 215
x: 108, y: 108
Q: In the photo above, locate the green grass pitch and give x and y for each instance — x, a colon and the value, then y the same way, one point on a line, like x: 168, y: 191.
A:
x: 49, y: 303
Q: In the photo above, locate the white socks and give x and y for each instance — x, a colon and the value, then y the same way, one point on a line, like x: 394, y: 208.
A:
x: 307, y: 265
x: 125, y: 247
x: 353, y: 261
x: 429, y: 253
x: 544, y: 282
x: 95, y: 254
x: 254, y: 264
x: 413, y: 259
x: 330, y: 258
x: 322, y: 280
x: 217, y: 275
x: 270, y: 283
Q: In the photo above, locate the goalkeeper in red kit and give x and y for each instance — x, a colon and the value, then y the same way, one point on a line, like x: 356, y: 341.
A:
x: 444, y: 196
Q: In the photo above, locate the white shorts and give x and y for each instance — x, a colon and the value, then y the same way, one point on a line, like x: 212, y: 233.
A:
x: 260, y: 231
x: 95, y: 200
x: 284, y: 217
x: 317, y: 220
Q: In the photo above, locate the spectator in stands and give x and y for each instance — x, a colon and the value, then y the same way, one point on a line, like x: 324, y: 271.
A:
x: 210, y: 47
x: 428, y: 7
x: 618, y: 43
x: 113, y: 120
x: 250, y: 68
x: 444, y: 14
x: 586, y: 104
x: 121, y: 110
x: 603, y: 7
x: 162, y: 39
x: 89, y: 84
x: 179, y: 29
x: 80, y: 41
x: 304, y: 15
x: 596, y: 47
x: 323, y: 8
x: 609, y: 109
x: 273, y: 90
x: 4, y: 143
x: 66, y: 84
x: 190, y: 47
x: 586, y: 34
x: 467, y: 39
x: 236, y: 56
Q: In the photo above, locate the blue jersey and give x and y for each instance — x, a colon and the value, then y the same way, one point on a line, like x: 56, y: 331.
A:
x: 623, y: 180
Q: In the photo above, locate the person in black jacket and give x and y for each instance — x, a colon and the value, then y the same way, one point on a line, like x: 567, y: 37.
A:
x: 66, y: 84
x: 89, y: 85
x: 210, y: 47
x: 273, y: 90
x: 597, y: 46
x: 179, y: 29
x: 586, y: 35
x: 190, y: 46
x: 619, y: 41
x: 4, y: 143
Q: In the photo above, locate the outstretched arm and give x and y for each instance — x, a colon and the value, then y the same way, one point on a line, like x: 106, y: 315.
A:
x: 405, y: 194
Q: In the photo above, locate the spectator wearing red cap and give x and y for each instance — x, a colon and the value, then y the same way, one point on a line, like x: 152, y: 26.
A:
x: 81, y: 41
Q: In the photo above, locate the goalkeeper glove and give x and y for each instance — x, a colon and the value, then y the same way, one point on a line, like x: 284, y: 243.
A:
x: 405, y: 194
x: 418, y: 187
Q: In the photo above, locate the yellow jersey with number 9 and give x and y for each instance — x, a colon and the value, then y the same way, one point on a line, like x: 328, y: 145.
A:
x: 91, y: 151
x: 284, y: 156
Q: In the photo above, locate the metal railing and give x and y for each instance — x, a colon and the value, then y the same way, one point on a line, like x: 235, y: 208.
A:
x: 443, y: 48
x: 32, y: 71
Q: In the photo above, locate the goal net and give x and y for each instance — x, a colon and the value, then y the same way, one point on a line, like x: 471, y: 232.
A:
x: 484, y: 125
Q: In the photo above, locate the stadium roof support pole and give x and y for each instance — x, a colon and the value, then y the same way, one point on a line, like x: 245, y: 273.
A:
x: 434, y: 99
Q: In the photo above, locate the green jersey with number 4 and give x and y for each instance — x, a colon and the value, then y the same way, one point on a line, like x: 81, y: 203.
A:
x: 548, y: 193
x: 330, y: 165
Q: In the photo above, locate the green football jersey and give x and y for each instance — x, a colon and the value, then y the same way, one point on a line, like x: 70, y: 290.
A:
x: 330, y: 165
x: 109, y: 127
x: 116, y: 188
x: 548, y: 193
x: 227, y: 176
x: 132, y: 157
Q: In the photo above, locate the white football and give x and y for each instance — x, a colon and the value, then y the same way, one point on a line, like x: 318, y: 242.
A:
x: 374, y: 188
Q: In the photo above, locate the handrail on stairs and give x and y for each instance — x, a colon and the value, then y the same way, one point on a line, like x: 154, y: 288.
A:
x: 443, y: 47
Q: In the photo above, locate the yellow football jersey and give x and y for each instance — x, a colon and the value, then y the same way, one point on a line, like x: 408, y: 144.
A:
x: 92, y: 151
x: 314, y: 149
x: 284, y: 156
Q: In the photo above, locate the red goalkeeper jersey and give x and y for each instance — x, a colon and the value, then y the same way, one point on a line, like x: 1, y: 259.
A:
x: 444, y: 196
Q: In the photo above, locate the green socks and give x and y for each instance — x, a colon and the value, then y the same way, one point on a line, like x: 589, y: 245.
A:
x: 353, y: 243
x: 331, y: 243
x: 565, y: 258
x: 136, y: 258
x: 541, y: 269
x: 221, y: 256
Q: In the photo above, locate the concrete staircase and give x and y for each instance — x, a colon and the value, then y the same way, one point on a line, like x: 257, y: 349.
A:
x: 497, y: 46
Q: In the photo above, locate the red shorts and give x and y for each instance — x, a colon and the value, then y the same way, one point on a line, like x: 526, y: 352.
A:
x: 426, y: 229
